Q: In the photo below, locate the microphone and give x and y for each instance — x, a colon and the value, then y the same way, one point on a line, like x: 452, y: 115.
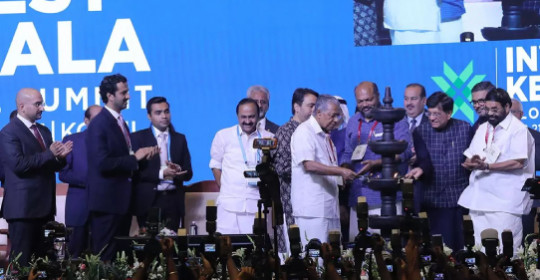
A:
x: 295, y: 241
x: 490, y: 241
x: 468, y: 232
x: 508, y: 243
x: 362, y: 214
x: 211, y: 216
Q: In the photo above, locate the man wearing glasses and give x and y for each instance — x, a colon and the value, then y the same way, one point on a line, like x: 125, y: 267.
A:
x: 479, y: 92
x: 444, y: 139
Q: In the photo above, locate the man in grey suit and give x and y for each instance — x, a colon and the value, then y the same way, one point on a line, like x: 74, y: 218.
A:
x: 30, y: 161
x: 262, y: 96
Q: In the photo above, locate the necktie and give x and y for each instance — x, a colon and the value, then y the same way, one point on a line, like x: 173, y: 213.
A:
x: 38, y: 136
x: 163, y: 151
x: 122, y: 125
x: 413, y: 125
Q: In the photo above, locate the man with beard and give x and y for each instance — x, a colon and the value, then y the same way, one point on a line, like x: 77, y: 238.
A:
x: 442, y: 176
x: 478, y: 101
x: 262, y: 96
x: 232, y: 154
x: 111, y: 163
x: 361, y: 129
x: 303, y: 102
x: 501, y: 157
x: 315, y: 171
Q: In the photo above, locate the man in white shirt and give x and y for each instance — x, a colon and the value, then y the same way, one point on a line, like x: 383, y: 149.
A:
x: 315, y: 171
x: 232, y: 153
x: 262, y: 96
x: 501, y: 158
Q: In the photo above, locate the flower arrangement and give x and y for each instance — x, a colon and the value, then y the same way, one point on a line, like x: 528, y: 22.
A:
x: 529, y: 255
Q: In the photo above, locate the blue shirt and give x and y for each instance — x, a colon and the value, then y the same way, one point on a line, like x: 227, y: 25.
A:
x: 358, y: 188
x: 452, y: 10
x: 448, y: 178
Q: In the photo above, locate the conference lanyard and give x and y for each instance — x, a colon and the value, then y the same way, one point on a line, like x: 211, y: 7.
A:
x: 370, y: 131
x: 331, y: 155
x: 168, y: 141
x: 487, y: 136
x: 242, y: 146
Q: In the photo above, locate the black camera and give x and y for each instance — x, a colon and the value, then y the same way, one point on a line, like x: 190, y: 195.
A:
x: 532, y: 186
x: 313, y: 248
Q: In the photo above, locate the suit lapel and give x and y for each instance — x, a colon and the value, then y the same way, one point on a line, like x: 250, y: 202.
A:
x: 114, y: 125
x: 28, y: 135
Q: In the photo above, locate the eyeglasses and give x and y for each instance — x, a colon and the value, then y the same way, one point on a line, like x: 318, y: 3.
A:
x: 479, y: 102
x: 435, y: 115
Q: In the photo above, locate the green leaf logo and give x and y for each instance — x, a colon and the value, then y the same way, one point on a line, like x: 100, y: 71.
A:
x: 459, y: 87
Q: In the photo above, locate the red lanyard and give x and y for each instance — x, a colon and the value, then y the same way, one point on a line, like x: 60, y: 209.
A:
x: 331, y: 154
x: 370, y: 131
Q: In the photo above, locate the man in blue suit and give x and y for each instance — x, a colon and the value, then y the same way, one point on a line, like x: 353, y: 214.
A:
x: 74, y: 173
x: 30, y: 159
x: 159, y: 181
x: 111, y: 164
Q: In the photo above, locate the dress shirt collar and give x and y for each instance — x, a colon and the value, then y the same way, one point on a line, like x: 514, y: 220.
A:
x: 158, y: 132
x: 505, y: 124
x: 242, y: 133
x: 363, y: 119
x: 25, y: 121
x: 113, y: 112
x: 316, y: 126
x: 417, y: 118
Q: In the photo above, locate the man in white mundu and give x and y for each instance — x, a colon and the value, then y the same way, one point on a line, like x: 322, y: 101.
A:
x: 315, y: 171
x: 232, y: 154
x: 501, y: 157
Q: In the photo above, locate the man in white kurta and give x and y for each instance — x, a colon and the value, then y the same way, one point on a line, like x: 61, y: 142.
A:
x: 501, y: 157
x: 315, y: 171
x: 232, y: 153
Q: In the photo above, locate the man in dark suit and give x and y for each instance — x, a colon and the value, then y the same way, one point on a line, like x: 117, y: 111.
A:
x: 30, y: 159
x: 74, y: 173
x: 262, y: 96
x: 159, y: 181
x: 111, y: 164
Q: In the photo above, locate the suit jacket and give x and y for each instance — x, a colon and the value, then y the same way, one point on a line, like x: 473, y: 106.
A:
x: 74, y: 173
x: 110, y: 166
x: 146, y: 179
x: 30, y: 190
x: 270, y: 126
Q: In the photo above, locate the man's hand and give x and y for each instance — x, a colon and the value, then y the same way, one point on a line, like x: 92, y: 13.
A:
x: 475, y: 163
x: 225, y: 246
x: 415, y: 173
x: 66, y: 149
x: 167, y: 246
x: 347, y: 174
x: 56, y: 148
x: 173, y: 170
x: 146, y: 152
x: 369, y: 165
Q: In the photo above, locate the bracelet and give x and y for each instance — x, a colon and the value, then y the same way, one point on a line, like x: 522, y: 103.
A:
x: 172, y: 272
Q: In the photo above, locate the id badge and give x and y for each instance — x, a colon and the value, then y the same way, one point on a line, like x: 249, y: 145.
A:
x: 339, y: 181
x: 359, y: 152
x: 492, y: 154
